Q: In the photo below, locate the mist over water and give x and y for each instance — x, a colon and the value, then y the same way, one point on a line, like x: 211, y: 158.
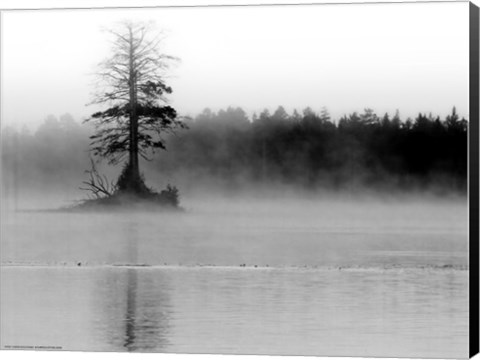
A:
x: 281, y: 230
x: 270, y: 273
x: 267, y: 264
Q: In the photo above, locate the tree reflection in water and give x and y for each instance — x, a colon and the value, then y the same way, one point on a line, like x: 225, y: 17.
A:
x: 130, y: 331
x: 142, y: 296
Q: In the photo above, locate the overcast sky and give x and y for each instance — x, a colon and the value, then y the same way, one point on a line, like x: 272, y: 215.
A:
x: 412, y: 57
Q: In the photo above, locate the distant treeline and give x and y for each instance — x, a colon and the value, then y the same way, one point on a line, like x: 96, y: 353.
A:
x: 311, y: 149
x: 306, y: 149
x: 55, y: 154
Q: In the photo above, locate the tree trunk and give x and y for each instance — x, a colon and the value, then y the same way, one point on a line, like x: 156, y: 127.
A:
x: 133, y: 160
x: 133, y: 149
x: 131, y: 180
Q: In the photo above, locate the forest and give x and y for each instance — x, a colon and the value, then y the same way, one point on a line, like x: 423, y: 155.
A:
x: 232, y: 150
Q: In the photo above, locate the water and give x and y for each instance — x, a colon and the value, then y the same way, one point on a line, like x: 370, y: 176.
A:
x: 283, y: 276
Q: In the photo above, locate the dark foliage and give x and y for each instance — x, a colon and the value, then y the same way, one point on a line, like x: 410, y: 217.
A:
x: 169, y: 196
x: 135, y: 182
x: 312, y: 150
x: 307, y: 150
x: 112, y: 137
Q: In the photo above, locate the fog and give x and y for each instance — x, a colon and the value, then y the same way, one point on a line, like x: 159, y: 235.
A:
x: 228, y: 153
x: 306, y: 54
x: 280, y: 230
x: 262, y: 258
x: 285, y: 209
x: 238, y: 192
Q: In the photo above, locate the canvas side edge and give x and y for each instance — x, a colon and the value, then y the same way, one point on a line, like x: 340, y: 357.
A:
x: 474, y: 179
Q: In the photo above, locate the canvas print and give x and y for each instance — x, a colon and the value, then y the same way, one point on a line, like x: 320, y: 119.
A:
x: 273, y: 180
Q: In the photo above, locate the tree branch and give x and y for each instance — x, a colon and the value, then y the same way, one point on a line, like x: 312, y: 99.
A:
x: 98, y: 185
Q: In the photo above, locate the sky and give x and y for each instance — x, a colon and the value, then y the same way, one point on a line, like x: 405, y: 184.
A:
x: 412, y: 57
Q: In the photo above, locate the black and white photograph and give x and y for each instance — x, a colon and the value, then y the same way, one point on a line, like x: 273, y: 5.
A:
x: 250, y: 179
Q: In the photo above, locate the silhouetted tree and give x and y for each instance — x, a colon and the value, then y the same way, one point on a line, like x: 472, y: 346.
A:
x: 135, y: 90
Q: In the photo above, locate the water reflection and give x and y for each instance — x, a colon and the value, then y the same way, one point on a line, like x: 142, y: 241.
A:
x: 142, y: 297
x: 131, y: 286
x: 130, y: 317
x: 403, y: 312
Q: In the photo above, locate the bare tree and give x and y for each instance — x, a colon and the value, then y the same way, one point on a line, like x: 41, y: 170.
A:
x: 133, y: 86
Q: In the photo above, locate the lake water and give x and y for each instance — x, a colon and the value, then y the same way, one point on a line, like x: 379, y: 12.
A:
x: 345, y: 277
